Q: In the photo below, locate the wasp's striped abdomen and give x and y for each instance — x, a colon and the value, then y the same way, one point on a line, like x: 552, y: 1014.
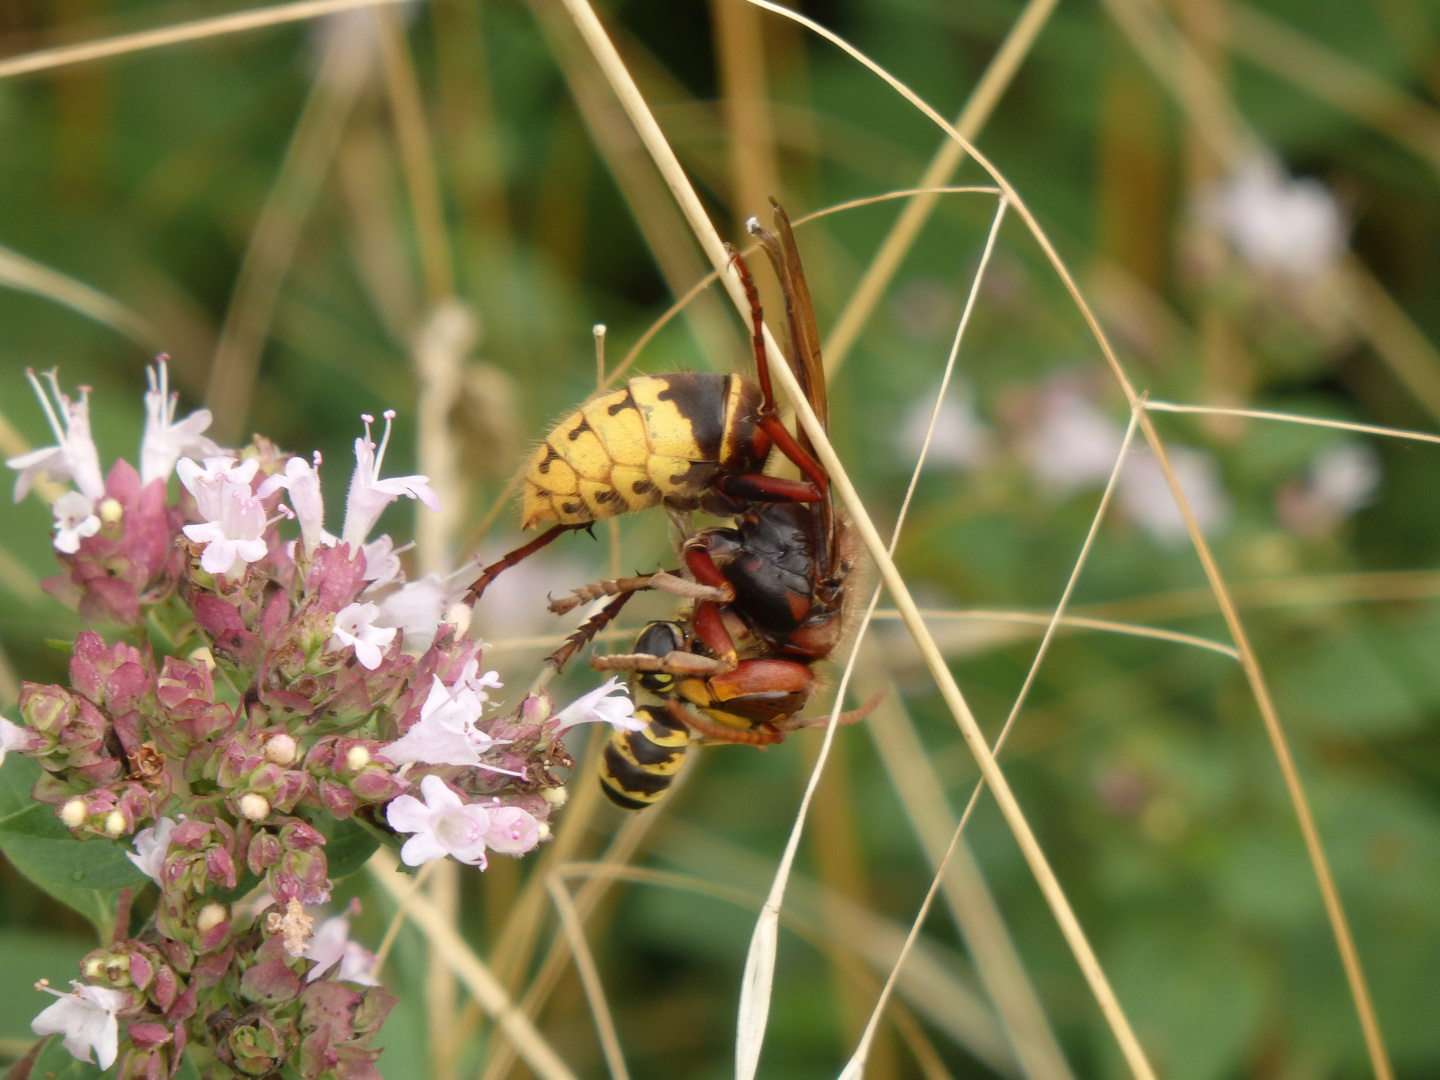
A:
x: 658, y: 439
x: 637, y: 767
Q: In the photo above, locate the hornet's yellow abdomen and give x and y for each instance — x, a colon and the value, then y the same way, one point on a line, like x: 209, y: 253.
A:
x: 657, y: 439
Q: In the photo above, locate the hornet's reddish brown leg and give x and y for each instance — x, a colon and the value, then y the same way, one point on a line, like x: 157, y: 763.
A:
x: 765, y: 735
x: 769, y: 419
x: 757, y: 487
x: 854, y: 716
x: 510, y: 558
x: 587, y: 630
x: 707, y: 623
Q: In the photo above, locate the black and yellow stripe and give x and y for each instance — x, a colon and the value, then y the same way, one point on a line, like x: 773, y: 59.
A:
x: 658, y: 438
x: 637, y: 767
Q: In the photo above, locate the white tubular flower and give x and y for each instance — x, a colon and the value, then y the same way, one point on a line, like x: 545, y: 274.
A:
x: 1344, y: 477
x: 598, y: 707
x: 74, y: 456
x: 382, y: 562
x: 75, y: 519
x: 234, y: 526
x: 12, y: 737
x: 355, y: 628
x: 302, y: 481
x: 86, y: 1019
x: 442, y: 825
x: 415, y: 609
x: 151, y: 846
x: 165, y: 441
x: 331, y: 945
x: 369, y: 495
x: 219, y: 467
x: 446, y: 733
x: 512, y: 831
x: 1277, y: 224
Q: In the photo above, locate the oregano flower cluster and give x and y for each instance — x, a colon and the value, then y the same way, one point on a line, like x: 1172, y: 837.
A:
x: 247, y: 717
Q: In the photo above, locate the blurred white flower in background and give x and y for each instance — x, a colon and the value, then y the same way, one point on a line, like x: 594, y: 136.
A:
x: 961, y: 439
x: 1341, y: 479
x: 1278, y: 224
x: 1146, y: 499
x: 1072, y: 444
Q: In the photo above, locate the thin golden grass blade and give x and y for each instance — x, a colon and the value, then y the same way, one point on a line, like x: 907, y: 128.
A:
x: 978, y: 918
x: 26, y: 275
x: 1334, y: 909
x: 1077, y: 622
x: 976, y: 111
x: 1293, y: 418
x: 589, y: 976
x: 694, y: 211
x: 471, y: 971
x: 178, y: 33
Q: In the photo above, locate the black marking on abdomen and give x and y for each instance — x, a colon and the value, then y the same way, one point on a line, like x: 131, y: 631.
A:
x: 642, y: 487
x: 648, y: 752
x: 550, y: 455
x: 628, y: 403
x: 700, y: 398
x: 630, y: 777
x: 580, y: 429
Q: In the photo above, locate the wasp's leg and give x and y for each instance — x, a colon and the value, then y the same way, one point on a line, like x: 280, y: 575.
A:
x: 662, y: 580
x: 672, y: 663
x: 757, y: 487
x: 510, y: 558
x: 764, y: 735
x: 758, y: 691
x: 769, y: 419
x: 587, y: 630
x: 853, y: 716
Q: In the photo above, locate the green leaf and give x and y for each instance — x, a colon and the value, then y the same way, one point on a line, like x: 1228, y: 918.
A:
x: 57, y: 1063
x: 347, y: 850
x: 82, y: 874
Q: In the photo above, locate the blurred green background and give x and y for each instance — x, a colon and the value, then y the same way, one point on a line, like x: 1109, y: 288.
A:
x: 283, y: 211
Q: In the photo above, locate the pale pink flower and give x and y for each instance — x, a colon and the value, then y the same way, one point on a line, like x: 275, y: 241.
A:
x: 369, y: 494
x: 1277, y: 224
x: 302, y: 481
x: 86, y: 1019
x: 1145, y: 496
x: 75, y: 519
x: 12, y: 737
x: 512, y: 831
x: 234, y: 526
x: 355, y: 627
x: 330, y: 945
x: 598, y: 707
x: 1074, y: 445
x: 442, y: 825
x: 382, y: 562
x: 216, y: 468
x: 960, y: 439
x: 74, y: 456
x: 446, y: 733
x: 165, y: 441
x: 415, y: 609
x: 151, y: 846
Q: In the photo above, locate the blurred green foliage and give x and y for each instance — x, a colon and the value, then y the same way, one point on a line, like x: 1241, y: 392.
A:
x: 1142, y: 764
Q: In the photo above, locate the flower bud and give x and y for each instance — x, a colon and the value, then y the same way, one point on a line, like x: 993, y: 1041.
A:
x: 543, y: 830
x: 111, y: 511
x: 114, y: 823
x: 280, y: 749
x: 93, y: 969
x: 356, y: 758
x: 254, y: 806
x: 535, y: 709
x: 555, y: 796
x: 73, y: 812
x: 211, y: 916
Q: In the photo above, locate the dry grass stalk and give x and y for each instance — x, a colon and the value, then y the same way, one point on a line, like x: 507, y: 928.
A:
x: 981, y: 103
x: 25, y: 274
x: 685, y: 195
x: 589, y: 977
x: 440, y: 932
x: 344, y: 70
x: 178, y: 33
